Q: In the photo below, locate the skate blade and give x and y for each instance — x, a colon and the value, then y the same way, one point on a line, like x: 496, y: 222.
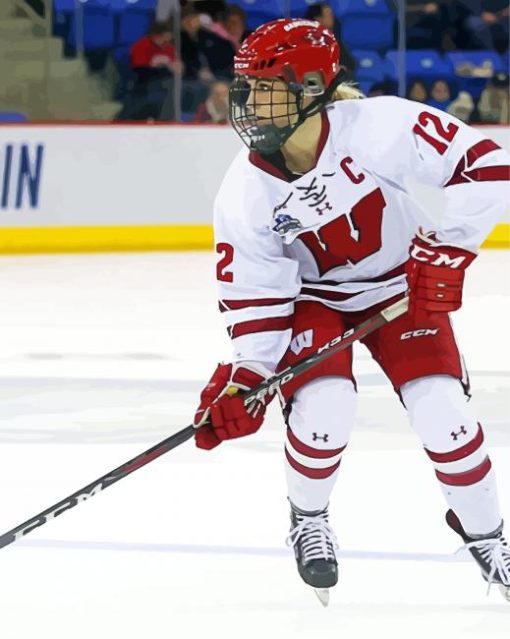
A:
x: 505, y: 591
x: 322, y: 595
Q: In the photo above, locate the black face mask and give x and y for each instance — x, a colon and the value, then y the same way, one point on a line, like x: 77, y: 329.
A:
x: 267, y: 137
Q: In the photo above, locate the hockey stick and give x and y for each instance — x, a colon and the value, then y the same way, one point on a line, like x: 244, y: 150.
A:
x: 270, y: 386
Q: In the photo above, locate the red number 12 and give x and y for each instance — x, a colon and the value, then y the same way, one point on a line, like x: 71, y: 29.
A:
x: 446, y: 134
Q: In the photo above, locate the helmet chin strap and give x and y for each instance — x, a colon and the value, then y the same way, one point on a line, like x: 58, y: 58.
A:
x: 274, y: 137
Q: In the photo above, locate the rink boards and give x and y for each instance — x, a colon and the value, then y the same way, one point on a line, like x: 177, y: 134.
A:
x: 92, y: 186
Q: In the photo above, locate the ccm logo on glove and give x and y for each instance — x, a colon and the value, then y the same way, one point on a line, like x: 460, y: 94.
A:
x: 435, y: 275
x: 435, y: 258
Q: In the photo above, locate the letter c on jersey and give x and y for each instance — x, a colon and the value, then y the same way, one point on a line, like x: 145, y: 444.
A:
x: 356, y: 179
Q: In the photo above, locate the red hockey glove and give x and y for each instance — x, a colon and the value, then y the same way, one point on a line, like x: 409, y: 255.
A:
x: 435, y: 275
x: 222, y: 413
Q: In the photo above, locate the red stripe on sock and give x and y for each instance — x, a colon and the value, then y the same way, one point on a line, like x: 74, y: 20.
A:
x: 458, y: 453
x: 467, y: 478
x: 311, y: 473
x: 309, y: 451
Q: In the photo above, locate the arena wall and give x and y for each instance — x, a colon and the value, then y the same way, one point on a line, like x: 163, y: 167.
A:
x: 91, y: 186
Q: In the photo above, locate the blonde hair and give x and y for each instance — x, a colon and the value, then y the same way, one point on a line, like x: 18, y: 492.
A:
x: 347, y: 91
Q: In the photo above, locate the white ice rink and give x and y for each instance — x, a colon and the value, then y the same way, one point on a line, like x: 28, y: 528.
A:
x: 102, y: 356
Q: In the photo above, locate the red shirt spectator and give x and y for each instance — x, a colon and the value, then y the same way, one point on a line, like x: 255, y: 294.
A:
x: 156, y: 51
x: 147, y: 52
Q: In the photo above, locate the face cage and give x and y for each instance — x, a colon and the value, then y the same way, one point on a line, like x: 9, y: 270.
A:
x: 266, y: 126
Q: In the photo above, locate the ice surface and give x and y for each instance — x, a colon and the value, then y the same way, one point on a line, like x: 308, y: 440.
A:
x: 102, y: 356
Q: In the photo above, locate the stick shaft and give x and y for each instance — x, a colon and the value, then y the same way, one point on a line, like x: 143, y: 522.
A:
x: 96, y: 486
x: 270, y: 386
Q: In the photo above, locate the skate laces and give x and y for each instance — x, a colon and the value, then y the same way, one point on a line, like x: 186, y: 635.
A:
x: 496, y: 553
x: 315, y: 536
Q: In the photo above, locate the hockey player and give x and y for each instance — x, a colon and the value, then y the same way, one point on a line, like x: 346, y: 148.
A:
x: 313, y: 225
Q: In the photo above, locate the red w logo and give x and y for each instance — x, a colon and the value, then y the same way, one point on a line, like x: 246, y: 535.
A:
x: 349, y: 238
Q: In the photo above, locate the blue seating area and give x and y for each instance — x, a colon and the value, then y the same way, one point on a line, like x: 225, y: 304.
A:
x: 462, y: 61
x: 429, y: 65
x: 366, y: 24
x: 298, y: 7
x: 426, y: 63
x: 368, y: 28
x: 370, y: 66
x: 372, y: 31
x: 260, y: 11
x: 96, y: 25
x: 101, y: 24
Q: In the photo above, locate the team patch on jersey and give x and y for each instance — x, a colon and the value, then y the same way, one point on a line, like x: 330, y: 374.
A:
x: 285, y: 223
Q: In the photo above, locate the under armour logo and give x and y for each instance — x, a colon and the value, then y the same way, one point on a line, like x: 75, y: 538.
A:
x: 455, y: 435
x: 324, y: 438
x: 326, y: 207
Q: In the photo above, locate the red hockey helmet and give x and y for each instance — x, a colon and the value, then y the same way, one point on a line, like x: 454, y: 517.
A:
x: 289, y: 49
x: 305, y: 56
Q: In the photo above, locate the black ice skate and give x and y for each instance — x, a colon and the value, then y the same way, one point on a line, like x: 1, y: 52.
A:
x: 491, y: 553
x: 314, y: 545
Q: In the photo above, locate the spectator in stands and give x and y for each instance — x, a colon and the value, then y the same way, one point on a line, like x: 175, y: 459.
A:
x: 229, y: 24
x: 417, y: 91
x: 154, y: 62
x: 197, y: 75
x: 485, y: 24
x: 234, y: 20
x: 211, y: 7
x: 206, y: 58
x: 440, y: 95
x: 195, y: 63
x: 323, y: 13
x: 462, y: 107
x: 427, y: 24
x: 154, y: 55
x: 493, y: 104
x: 385, y: 87
x: 215, y: 108
x: 205, y: 54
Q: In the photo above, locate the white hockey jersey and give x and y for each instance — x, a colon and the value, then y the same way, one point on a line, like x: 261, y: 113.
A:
x: 340, y: 233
